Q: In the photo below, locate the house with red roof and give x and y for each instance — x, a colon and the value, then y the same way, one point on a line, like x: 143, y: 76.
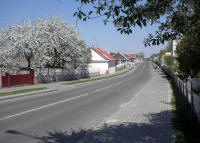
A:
x: 131, y: 57
x: 101, y: 62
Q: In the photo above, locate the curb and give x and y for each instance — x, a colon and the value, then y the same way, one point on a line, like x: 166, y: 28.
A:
x: 26, y: 94
x: 96, y: 81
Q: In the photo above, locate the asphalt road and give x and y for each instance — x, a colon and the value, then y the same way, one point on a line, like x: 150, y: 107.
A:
x: 32, y: 119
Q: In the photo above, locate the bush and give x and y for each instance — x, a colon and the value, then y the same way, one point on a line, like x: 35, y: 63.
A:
x: 169, y: 61
x: 188, y: 51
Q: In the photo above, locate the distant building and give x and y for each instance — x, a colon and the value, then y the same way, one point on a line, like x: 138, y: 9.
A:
x: 131, y: 59
x: 168, y: 54
x: 121, y: 60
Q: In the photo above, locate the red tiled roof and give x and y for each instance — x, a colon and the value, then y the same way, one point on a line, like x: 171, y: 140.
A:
x: 126, y: 55
x: 132, y: 55
x: 104, y: 54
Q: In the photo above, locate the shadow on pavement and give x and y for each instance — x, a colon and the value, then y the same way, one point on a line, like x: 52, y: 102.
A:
x: 157, y: 130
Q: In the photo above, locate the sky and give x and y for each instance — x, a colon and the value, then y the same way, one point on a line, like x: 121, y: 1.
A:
x: 93, y: 32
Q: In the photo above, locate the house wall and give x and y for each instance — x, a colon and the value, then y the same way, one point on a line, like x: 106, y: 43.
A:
x: 96, y: 57
x: 101, y: 67
x: 111, y: 67
x: 98, y: 64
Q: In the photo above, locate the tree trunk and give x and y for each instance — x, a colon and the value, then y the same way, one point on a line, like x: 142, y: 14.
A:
x: 29, y: 64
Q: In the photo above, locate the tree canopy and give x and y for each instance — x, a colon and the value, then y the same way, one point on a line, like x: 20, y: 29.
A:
x: 43, y: 42
x: 188, y: 52
x: 177, y: 20
x: 173, y: 16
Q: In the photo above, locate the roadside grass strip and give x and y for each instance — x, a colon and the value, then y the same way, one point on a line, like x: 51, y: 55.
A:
x: 95, y: 79
x: 185, y: 123
x: 22, y: 91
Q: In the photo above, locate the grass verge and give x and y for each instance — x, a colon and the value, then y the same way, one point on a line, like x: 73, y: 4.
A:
x: 119, y: 69
x: 22, y: 91
x: 185, y: 124
x: 95, y: 79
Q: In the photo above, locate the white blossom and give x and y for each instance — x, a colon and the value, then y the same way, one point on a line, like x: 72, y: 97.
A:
x: 47, y: 42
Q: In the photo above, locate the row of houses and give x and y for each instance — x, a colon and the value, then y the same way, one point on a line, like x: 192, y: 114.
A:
x: 104, y: 63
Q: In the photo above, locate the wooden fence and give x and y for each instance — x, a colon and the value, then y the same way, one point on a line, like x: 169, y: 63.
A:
x: 188, y: 88
x: 14, y: 80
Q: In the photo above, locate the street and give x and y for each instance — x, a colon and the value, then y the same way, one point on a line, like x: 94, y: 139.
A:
x: 133, y: 107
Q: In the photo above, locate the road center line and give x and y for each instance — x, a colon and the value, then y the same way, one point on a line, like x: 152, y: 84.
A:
x: 42, y: 107
x: 102, y: 88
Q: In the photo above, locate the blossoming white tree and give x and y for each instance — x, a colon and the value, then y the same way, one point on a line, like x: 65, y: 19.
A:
x: 42, y: 43
x: 20, y: 44
x: 61, y: 44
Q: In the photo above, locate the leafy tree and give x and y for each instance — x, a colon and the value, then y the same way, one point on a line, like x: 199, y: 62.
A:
x: 85, y: 56
x: 173, y: 16
x: 152, y: 56
x: 169, y: 61
x: 168, y: 48
x: 188, y: 51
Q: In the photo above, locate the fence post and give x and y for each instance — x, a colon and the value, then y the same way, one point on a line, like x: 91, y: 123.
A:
x: 183, y: 88
x: 0, y: 80
x: 192, y: 103
x: 187, y: 89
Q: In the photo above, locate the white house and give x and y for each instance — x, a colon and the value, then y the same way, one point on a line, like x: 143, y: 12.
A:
x: 101, y: 62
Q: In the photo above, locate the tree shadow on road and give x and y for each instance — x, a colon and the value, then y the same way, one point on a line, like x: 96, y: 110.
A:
x: 157, y: 130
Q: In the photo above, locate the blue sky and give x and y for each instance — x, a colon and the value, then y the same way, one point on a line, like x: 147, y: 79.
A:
x: 94, y: 32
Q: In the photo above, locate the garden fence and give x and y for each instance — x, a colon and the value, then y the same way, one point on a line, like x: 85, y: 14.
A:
x: 189, y: 88
x: 59, y: 74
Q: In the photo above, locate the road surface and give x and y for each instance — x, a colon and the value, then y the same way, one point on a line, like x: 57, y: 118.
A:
x: 111, y: 110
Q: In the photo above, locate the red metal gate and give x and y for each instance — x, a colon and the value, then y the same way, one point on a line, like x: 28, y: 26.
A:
x: 13, y: 80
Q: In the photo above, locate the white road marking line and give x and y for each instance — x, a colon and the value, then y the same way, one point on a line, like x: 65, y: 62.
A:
x: 119, y: 82
x: 102, y: 88
x: 42, y: 107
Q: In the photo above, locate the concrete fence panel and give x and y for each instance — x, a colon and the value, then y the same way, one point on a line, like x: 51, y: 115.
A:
x: 190, y: 89
x: 0, y: 80
x: 43, y: 75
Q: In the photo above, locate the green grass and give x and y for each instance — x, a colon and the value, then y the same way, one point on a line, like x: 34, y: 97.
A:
x: 185, y: 124
x: 95, y: 79
x: 121, y: 68
x: 22, y: 91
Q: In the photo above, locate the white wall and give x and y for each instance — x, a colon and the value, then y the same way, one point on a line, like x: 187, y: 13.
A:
x: 102, y: 68
x: 99, y: 64
x: 111, y: 67
x: 120, y: 65
x: 96, y: 57
x: 175, y: 43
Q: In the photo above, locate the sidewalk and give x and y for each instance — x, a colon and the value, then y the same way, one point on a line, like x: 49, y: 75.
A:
x: 53, y: 86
